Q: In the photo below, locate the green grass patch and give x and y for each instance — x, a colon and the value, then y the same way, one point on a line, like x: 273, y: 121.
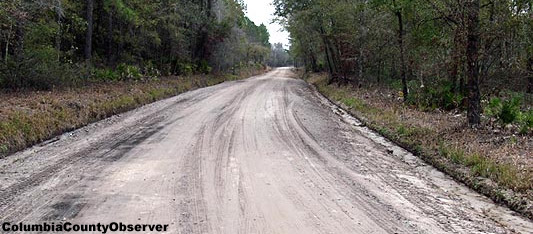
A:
x: 3, y: 148
x: 354, y: 103
x: 502, y: 173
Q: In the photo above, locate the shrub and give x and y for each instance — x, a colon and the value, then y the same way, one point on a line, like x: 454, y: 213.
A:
x: 105, y: 74
x: 449, y: 99
x: 505, y: 111
x: 128, y: 72
x: 166, y: 69
x: 440, y: 95
x: 150, y: 71
x: 526, y: 122
x: 40, y: 68
x: 203, y: 67
x: 493, y: 109
x: 186, y: 69
x: 510, y: 110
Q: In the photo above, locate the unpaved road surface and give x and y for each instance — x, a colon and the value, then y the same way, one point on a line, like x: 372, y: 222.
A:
x: 263, y: 155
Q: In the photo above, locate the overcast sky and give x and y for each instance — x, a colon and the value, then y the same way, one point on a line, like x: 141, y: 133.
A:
x: 261, y: 11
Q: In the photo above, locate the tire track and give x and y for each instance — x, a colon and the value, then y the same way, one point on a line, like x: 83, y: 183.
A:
x: 263, y: 155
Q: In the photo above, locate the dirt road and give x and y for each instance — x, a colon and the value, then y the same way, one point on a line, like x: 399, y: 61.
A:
x: 263, y: 155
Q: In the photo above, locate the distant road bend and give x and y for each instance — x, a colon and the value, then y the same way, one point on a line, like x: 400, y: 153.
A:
x: 262, y: 155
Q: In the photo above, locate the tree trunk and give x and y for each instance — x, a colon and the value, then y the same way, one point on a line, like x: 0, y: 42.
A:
x: 530, y: 53
x: 360, y: 70
x: 455, y: 64
x: 330, y: 62
x: 110, y: 36
x: 402, y: 56
x: 335, y: 54
x: 472, y: 55
x: 203, y: 49
x: 209, y: 8
x: 7, y: 42
x: 530, y: 75
x: 314, y: 64
x: 18, y: 39
x: 380, y: 69
x: 462, y: 83
x: 89, y: 32
x: 58, y: 37
x: 329, y: 58
x: 59, y: 31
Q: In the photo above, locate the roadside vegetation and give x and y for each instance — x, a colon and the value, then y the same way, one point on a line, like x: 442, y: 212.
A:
x: 441, y: 54
x: 63, y: 43
x: 28, y: 117
x: 452, y: 81
x: 496, y: 163
x: 65, y: 63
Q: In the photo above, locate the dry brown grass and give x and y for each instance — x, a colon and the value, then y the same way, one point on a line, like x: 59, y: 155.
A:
x: 27, y: 118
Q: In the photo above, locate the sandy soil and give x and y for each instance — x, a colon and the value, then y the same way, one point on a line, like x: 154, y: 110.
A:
x: 263, y: 155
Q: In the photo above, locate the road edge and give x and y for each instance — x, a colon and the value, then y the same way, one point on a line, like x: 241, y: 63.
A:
x: 41, y: 127
x: 515, y: 201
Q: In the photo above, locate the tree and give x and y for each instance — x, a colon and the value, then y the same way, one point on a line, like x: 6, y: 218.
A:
x: 444, y: 53
x: 472, y: 55
x: 279, y: 57
x: 528, y: 22
x: 398, y: 11
x: 43, y: 43
x: 89, y: 35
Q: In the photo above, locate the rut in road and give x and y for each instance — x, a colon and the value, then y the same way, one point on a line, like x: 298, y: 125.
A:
x: 263, y: 155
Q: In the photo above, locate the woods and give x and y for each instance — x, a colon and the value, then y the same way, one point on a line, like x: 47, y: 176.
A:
x: 445, y: 54
x: 448, y: 80
x: 50, y: 43
x: 178, y: 97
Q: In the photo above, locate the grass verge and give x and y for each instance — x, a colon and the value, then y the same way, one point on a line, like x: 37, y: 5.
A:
x: 503, y: 182
x: 29, y: 118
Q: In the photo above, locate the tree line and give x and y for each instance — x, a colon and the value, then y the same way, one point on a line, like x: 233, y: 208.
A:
x: 444, y: 50
x: 48, y: 43
x: 279, y: 56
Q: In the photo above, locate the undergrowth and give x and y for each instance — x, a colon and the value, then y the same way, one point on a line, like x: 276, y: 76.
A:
x: 509, y: 111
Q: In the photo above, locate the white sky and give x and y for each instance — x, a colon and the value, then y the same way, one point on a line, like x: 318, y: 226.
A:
x: 262, y: 11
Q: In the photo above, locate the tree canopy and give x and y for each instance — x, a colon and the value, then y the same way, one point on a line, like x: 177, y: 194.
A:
x: 460, y: 45
x: 46, y: 43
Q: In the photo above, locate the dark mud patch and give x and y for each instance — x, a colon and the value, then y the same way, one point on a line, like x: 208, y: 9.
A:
x: 68, y: 208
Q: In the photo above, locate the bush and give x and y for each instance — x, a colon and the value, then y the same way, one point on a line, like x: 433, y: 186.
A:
x: 494, y: 107
x: 440, y: 95
x: 105, y: 74
x: 128, y: 72
x: 510, y: 110
x: 526, y: 122
x: 203, y: 67
x: 186, y: 69
x: 40, y: 69
x: 150, y: 71
x: 37, y: 63
x: 505, y: 111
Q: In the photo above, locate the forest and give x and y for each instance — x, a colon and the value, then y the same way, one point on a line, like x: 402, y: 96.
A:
x: 449, y: 80
x: 440, y: 53
x: 53, y: 43
x: 381, y: 95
